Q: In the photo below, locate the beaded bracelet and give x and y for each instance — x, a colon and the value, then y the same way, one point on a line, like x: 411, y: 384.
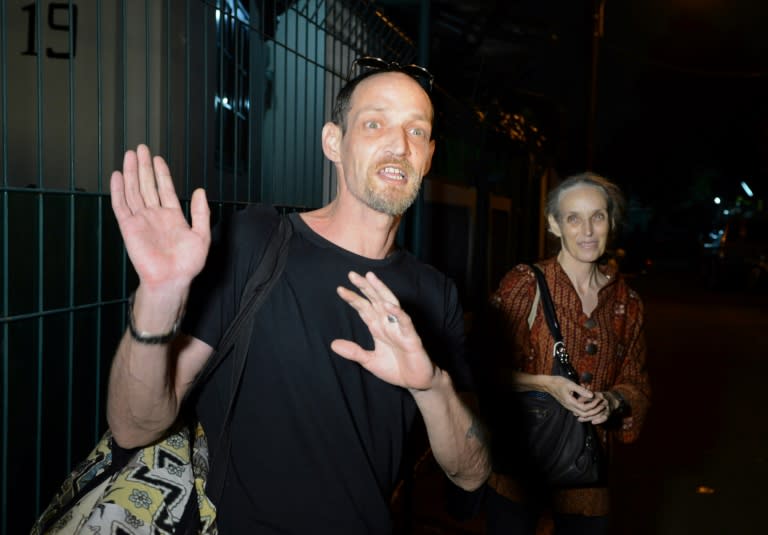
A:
x: 146, y: 338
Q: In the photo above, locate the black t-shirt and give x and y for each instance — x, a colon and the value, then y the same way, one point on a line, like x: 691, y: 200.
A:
x: 317, y: 441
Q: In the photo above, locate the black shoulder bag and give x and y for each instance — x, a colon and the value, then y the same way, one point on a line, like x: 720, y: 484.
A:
x: 560, y: 451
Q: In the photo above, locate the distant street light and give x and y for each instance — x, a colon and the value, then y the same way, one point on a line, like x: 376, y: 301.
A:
x: 746, y: 189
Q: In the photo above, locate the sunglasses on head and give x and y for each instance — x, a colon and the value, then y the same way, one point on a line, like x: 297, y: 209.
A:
x: 370, y: 63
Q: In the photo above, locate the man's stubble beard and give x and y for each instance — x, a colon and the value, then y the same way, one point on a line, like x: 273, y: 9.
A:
x: 391, y: 200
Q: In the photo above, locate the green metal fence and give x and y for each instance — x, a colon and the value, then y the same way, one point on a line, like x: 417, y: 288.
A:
x: 232, y: 93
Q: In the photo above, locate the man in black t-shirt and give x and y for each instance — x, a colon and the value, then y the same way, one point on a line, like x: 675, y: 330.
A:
x: 335, y: 377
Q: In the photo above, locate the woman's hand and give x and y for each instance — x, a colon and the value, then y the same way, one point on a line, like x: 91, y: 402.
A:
x: 586, y: 405
x: 571, y: 395
x: 596, y: 410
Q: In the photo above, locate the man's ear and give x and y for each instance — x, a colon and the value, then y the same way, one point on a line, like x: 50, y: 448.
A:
x: 554, y: 226
x: 331, y: 138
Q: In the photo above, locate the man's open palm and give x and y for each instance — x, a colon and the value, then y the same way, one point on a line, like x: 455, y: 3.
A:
x: 163, y: 247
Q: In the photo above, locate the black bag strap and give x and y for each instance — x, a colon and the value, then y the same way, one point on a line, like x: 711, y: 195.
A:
x: 546, y: 302
x: 559, y: 352
x: 238, y: 336
x: 256, y: 290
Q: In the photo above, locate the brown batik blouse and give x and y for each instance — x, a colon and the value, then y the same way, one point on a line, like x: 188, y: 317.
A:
x: 607, y: 348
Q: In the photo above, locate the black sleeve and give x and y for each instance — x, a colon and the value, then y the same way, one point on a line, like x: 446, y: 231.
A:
x: 459, y: 367
x: 237, y: 245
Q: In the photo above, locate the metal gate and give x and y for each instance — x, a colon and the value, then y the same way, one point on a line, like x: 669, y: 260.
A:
x: 233, y: 94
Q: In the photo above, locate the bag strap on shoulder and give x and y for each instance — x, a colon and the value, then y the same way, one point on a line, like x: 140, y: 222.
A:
x: 559, y: 352
x: 238, y: 337
x: 257, y: 288
x: 534, y: 306
x: 546, y: 302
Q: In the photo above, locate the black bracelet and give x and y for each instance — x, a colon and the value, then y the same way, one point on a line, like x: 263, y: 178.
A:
x: 146, y: 338
x: 623, y: 406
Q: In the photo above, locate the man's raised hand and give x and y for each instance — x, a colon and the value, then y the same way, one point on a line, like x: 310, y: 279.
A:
x: 398, y: 357
x: 164, y: 249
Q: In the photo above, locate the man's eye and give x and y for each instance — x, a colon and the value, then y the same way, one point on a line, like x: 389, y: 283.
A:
x: 372, y: 124
x: 572, y: 219
x: 418, y: 131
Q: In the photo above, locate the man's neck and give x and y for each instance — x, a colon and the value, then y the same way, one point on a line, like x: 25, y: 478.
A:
x: 357, y: 229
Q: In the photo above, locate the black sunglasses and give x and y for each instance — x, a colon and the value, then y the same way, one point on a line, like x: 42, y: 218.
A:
x: 370, y: 63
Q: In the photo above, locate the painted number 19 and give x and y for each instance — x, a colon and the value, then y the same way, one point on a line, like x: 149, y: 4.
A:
x: 70, y: 25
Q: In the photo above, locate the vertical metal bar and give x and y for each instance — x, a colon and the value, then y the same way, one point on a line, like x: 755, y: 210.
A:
x: 223, y: 25
x: 124, y: 54
x: 249, y: 118
x: 39, y: 93
x: 187, y: 63
x: 168, y: 79
x: 5, y: 233
x: 100, y: 221
x: 236, y: 73
x: 318, y: 94
x: 313, y: 15
x: 72, y: 237
x: 325, y: 195
x: 313, y: 98
x: 335, y: 86
x: 6, y: 332
x: 309, y: 121
x: 205, y: 99
x: 40, y: 141
x: 147, y: 75
x: 273, y: 100
x: 40, y: 341
x: 4, y: 121
x: 124, y: 118
x: 285, y: 99
x: 322, y: 7
x: 295, y: 187
x: 260, y: 105
x: 99, y: 111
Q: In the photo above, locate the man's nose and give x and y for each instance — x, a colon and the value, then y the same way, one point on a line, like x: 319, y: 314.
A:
x: 398, y: 142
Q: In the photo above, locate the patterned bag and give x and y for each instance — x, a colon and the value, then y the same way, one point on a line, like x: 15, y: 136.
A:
x: 147, y: 494
x: 163, y: 488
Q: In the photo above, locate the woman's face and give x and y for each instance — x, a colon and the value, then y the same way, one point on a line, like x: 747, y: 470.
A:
x: 583, y: 225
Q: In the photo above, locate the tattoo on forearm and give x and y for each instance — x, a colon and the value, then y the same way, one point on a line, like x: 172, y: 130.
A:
x: 476, y: 431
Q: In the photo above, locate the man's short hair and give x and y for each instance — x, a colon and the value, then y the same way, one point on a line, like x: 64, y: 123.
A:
x: 344, y: 96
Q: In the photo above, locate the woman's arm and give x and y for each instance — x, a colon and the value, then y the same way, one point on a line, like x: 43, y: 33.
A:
x: 632, y: 389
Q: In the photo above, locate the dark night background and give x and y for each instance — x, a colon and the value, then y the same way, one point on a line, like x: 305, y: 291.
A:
x: 676, y: 113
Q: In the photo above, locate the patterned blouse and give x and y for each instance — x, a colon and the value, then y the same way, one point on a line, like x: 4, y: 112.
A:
x: 606, y: 348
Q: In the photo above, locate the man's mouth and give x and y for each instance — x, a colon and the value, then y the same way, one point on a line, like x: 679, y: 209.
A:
x: 393, y: 173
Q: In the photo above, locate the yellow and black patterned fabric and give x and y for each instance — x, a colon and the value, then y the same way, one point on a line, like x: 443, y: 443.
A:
x: 148, y: 494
